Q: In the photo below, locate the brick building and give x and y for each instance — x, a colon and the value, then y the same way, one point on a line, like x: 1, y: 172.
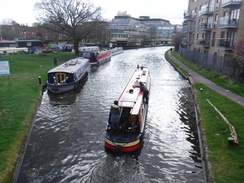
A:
x: 212, y: 30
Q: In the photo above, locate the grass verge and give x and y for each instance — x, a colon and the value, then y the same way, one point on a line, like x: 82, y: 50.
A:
x: 227, y: 163
x: 20, y: 95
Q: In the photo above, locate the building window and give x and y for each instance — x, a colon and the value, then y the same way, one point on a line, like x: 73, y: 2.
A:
x: 213, y: 39
x: 222, y: 34
x: 216, y: 18
x: 235, y: 14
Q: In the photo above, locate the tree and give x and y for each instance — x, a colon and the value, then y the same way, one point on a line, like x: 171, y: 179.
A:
x: 239, y: 59
x: 72, y: 18
x: 177, y: 40
x: 10, y: 31
x: 239, y: 50
x: 152, y: 34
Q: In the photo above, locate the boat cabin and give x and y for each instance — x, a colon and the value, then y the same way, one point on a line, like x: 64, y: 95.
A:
x: 92, y: 56
x: 68, y: 72
x: 127, y: 117
x: 132, y: 103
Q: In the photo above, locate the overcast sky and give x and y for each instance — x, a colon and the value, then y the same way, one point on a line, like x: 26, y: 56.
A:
x: 22, y: 11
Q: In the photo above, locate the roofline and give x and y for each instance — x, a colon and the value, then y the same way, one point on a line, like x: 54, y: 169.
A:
x: 141, y: 19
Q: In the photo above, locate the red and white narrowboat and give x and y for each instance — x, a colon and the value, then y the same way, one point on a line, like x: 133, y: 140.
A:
x: 96, y: 57
x: 127, y: 117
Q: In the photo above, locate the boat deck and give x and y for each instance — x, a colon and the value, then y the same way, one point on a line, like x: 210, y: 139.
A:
x: 122, y: 137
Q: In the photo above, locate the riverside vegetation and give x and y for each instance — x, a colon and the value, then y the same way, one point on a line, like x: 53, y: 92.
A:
x: 226, y: 161
x: 20, y: 96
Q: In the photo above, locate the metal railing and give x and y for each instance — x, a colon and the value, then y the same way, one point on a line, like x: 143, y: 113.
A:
x: 225, y: 43
x: 229, y: 1
x: 226, y: 21
x: 206, y: 9
x: 205, y: 26
x: 203, y: 42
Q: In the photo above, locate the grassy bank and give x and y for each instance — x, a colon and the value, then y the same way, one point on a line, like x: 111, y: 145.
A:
x: 227, y: 163
x: 19, y: 98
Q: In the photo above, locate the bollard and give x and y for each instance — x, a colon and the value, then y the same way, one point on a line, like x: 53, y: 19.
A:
x: 40, y: 80
x: 231, y: 141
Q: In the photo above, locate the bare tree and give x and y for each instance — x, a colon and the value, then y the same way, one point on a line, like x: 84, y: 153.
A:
x: 152, y: 34
x: 73, y: 18
x: 177, y: 40
x: 239, y: 59
x: 99, y: 34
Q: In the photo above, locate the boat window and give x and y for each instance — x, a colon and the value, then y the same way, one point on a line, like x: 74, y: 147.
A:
x: 87, y: 55
x: 51, y: 77
x: 69, y: 78
x: 59, y: 78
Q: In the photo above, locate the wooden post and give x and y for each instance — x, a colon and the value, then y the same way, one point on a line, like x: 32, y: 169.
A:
x: 233, y: 133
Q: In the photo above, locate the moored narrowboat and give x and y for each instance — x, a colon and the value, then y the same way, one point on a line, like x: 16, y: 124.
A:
x: 116, y: 51
x: 68, y: 75
x: 96, y: 57
x: 127, y: 117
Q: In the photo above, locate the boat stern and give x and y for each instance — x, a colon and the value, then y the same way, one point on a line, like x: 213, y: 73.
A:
x: 122, y: 147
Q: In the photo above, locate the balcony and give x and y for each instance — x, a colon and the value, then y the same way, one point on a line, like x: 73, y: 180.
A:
x: 185, y: 42
x: 225, y: 44
x: 190, y: 29
x: 206, y: 10
x: 188, y: 17
x: 205, y: 27
x: 227, y: 23
x: 231, y: 3
x: 204, y: 43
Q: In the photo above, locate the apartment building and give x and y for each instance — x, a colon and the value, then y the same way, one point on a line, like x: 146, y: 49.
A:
x: 212, y: 29
x: 126, y: 30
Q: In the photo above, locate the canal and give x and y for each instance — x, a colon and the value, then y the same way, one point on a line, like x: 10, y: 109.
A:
x: 67, y: 140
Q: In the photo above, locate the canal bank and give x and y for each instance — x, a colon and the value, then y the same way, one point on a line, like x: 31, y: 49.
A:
x: 209, y: 152
x: 19, y: 99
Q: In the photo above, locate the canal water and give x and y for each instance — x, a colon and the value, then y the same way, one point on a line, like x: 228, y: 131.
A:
x: 67, y: 139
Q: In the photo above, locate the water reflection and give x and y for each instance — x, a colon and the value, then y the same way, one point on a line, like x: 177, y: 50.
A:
x: 67, y: 141
x: 66, y: 98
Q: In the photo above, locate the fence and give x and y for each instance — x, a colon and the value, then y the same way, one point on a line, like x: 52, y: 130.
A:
x: 223, y: 64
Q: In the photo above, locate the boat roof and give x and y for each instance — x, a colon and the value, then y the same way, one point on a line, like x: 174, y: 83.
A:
x: 132, y: 95
x: 70, y: 66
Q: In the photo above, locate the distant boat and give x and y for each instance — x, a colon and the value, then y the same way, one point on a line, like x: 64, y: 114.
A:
x: 68, y: 75
x: 127, y: 117
x: 116, y: 51
x: 13, y: 50
x: 96, y: 57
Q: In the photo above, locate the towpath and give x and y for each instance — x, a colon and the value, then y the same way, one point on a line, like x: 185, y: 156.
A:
x: 197, y: 78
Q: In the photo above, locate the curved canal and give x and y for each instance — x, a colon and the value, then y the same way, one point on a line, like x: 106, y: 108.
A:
x: 67, y: 140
